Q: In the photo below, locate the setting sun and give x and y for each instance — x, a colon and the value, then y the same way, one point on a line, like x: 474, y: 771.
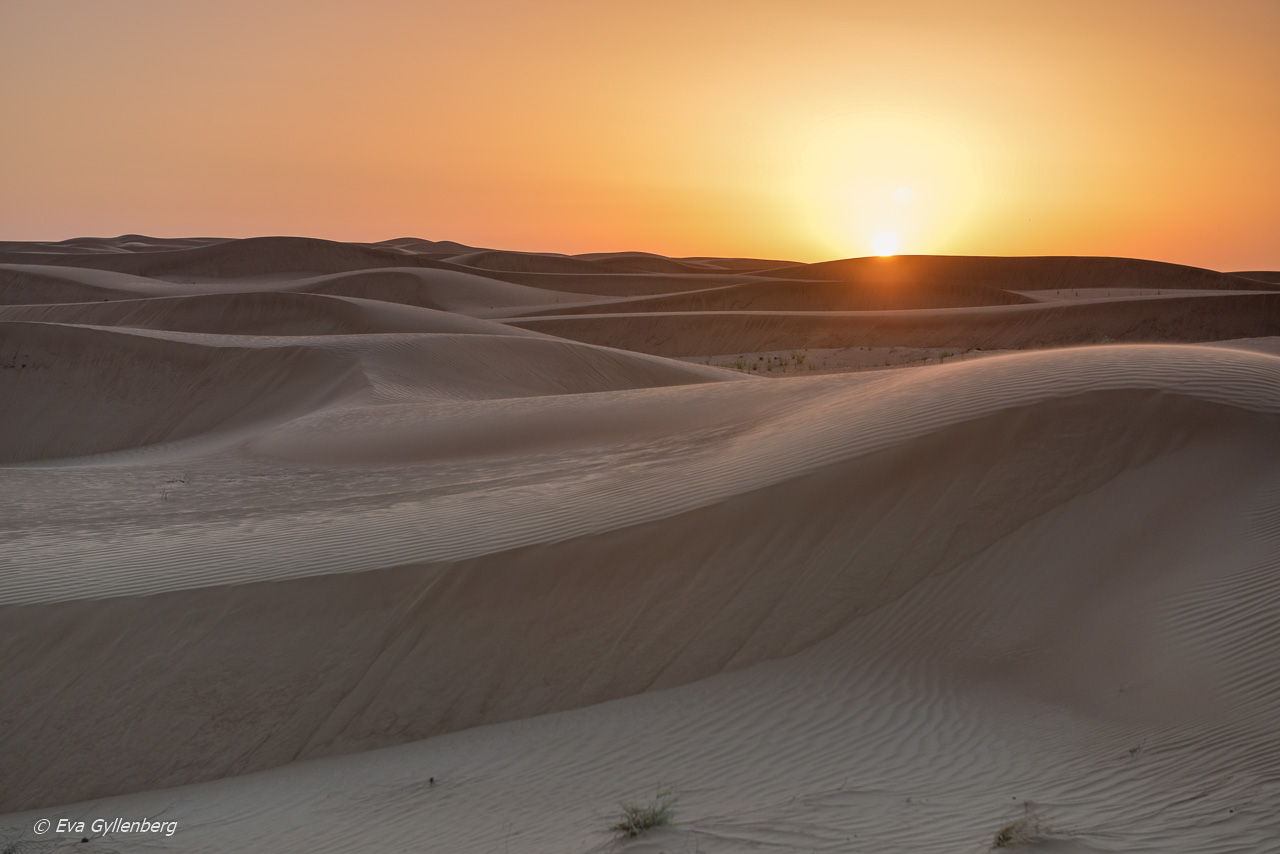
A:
x: 885, y: 243
x: 900, y: 175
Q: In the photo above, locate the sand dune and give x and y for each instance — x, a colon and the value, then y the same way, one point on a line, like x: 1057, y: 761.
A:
x: 1010, y: 436
x: 446, y: 290
x: 647, y: 262
x: 156, y: 387
x: 257, y: 314
x: 428, y: 247
x: 71, y: 391
x: 28, y: 284
x: 602, y: 262
x: 1044, y: 273
x: 258, y: 256
x: 1198, y: 318
x: 622, y: 284
x: 323, y: 558
x: 809, y: 296
x: 741, y: 264
x: 442, y: 289
x: 125, y: 243
x: 1260, y: 275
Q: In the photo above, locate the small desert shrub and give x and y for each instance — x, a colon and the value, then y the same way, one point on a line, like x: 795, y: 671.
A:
x: 1023, y: 831
x: 636, y: 819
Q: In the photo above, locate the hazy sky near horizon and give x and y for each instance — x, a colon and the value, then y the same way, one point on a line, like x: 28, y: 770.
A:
x: 801, y: 129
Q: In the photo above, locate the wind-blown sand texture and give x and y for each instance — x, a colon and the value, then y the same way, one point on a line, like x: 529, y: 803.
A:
x: 414, y: 546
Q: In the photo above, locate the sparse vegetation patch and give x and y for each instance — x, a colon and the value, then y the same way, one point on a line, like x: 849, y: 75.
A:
x: 637, y: 818
x: 1023, y: 831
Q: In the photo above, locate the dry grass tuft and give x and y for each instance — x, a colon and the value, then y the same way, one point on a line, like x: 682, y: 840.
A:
x: 636, y: 819
x: 1024, y: 831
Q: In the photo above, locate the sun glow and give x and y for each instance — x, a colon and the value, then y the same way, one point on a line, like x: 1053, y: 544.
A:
x: 879, y: 180
x: 885, y: 244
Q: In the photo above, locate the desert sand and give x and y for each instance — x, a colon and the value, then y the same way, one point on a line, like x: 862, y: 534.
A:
x: 417, y: 546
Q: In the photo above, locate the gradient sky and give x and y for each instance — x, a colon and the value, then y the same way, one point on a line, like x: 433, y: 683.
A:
x: 798, y: 129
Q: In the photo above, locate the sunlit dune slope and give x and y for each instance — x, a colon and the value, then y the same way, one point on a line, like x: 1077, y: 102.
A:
x: 802, y: 506
x: 74, y: 390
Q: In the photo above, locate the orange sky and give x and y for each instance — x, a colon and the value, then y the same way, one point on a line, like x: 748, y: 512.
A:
x: 797, y: 129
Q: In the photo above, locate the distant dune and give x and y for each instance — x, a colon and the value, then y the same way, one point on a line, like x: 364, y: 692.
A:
x: 1042, y: 273
x: 456, y: 527
x: 809, y: 296
x: 1188, y: 319
x: 257, y: 313
x: 1271, y: 276
x: 258, y: 256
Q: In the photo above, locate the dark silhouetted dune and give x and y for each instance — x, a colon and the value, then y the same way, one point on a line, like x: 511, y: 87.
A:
x: 445, y: 248
x: 258, y: 256
x: 1033, y: 273
x: 644, y: 262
